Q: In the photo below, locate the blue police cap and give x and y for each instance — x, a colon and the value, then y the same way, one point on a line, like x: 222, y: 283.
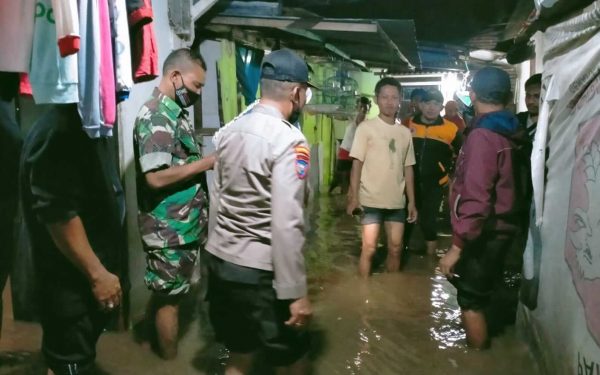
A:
x: 285, y: 65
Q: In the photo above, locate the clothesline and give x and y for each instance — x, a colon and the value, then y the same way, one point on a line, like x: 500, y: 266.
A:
x: 86, y: 52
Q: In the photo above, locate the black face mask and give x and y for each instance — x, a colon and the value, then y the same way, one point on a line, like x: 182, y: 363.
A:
x: 185, y: 97
x: 295, y: 116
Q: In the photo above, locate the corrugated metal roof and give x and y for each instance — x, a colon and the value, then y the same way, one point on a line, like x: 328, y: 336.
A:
x: 389, y: 44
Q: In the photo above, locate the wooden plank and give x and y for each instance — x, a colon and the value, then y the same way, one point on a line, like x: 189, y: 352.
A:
x: 285, y: 22
x: 199, y: 7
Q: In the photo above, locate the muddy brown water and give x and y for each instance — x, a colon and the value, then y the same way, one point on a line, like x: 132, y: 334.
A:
x: 402, y: 323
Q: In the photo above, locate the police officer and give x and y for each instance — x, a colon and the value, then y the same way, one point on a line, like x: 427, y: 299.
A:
x: 257, y: 284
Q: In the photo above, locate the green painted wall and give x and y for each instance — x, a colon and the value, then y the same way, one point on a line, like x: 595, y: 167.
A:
x: 324, y: 130
x: 321, y: 130
x: 228, y: 81
x: 318, y: 129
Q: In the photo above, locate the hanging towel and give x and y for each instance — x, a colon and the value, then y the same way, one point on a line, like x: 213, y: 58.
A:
x: 67, y: 26
x: 53, y: 78
x: 89, y: 67
x: 144, y: 53
x: 108, y: 101
x: 121, y: 48
x: 16, y: 34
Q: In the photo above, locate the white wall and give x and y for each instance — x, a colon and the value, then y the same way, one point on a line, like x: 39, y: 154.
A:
x: 211, y: 51
x: 128, y: 110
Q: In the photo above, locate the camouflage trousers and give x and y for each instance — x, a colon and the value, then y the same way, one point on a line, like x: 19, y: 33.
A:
x: 172, y: 271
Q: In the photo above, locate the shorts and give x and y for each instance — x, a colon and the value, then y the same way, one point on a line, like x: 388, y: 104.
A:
x: 249, y: 317
x: 69, y: 343
x: 479, y: 269
x: 371, y: 215
x: 172, y: 271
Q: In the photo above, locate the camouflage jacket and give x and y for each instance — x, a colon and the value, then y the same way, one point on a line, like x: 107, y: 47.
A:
x: 163, y: 137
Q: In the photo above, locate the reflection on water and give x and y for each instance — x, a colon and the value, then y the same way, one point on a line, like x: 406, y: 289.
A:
x: 445, y: 314
x: 403, y: 323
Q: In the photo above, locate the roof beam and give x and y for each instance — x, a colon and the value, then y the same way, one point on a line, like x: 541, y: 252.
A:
x: 200, y: 7
x: 328, y: 46
x: 296, y: 22
x: 394, y: 47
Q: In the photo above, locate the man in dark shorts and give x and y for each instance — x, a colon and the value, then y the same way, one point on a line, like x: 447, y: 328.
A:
x: 257, y: 288
x: 489, y: 200
x: 172, y: 201
x: 73, y: 217
x: 382, y: 171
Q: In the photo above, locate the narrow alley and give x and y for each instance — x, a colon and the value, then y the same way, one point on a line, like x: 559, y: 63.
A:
x: 298, y: 187
x: 404, y: 323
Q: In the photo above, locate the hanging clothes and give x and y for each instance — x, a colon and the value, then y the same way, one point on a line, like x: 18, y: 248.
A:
x: 53, y: 78
x: 108, y: 101
x: 89, y: 72
x: 121, y: 48
x: 144, y: 53
x: 25, y: 85
x: 97, y: 100
x: 248, y: 71
x: 67, y: 26
x: 16, y: 34
x: 138, y: 13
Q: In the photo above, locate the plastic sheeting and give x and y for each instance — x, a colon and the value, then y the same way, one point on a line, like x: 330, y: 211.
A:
x: 545, y: 3
x: 566, y: 174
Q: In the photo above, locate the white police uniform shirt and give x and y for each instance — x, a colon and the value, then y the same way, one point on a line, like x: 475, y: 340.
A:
x: 259, y: 194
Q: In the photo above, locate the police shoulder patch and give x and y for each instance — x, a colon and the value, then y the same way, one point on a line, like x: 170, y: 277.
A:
x: 302, y: 161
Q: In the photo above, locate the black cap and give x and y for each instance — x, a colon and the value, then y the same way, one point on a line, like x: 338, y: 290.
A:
x: 492, y: 84
x: 285, y: 65
x: 417, y: 92
x: 433, y: 95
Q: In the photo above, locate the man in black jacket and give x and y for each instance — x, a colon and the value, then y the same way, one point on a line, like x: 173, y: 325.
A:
x: 73, y: 218
x: 528, y: 119
x: 436, y: 141
x: 10, y: 149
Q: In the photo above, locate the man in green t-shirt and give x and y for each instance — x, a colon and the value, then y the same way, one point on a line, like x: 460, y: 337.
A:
x: 171, y: 199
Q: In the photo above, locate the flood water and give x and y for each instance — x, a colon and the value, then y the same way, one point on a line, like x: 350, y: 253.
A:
x: 402, y: 323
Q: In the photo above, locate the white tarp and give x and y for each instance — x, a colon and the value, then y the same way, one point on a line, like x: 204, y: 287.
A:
x: 544, y: 3
x: 566, y: 175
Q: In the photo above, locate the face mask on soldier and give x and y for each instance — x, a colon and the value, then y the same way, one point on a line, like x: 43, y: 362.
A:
x: 184, y: 96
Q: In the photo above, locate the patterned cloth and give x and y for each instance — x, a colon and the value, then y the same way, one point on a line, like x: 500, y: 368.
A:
x: 172, y: 271
x: 163, y: 137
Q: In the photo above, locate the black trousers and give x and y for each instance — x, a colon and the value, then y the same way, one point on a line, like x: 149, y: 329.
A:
x: 428, y: 200
x: 69, y: 343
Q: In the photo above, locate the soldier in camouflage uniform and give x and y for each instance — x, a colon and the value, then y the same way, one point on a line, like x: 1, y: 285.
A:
x: 171, y: 199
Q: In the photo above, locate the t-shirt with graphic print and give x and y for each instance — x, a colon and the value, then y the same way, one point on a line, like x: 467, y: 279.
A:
x: 384, y: 150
